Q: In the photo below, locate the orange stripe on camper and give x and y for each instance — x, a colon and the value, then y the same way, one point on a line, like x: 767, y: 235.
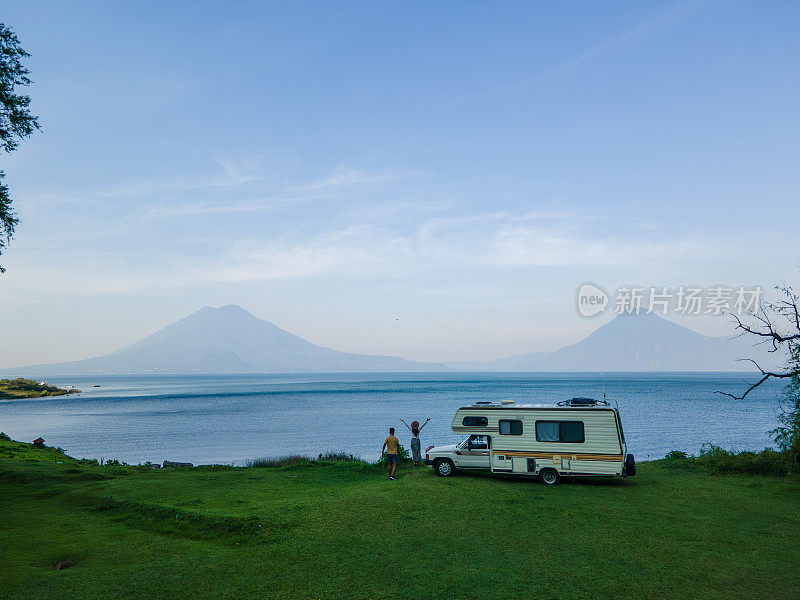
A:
x: 559, y: 455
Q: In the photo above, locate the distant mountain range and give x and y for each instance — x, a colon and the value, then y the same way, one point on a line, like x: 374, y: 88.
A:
x: 226, y: 340
x: 638, y: 342
x: 231, y: 340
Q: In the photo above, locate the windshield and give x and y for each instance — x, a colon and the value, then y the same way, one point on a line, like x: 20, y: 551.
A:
x: 475, y: 442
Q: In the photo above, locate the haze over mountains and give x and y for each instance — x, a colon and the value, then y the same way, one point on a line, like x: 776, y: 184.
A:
x: 638, y: 342
x: 227, y: 340
x: 231, y: 340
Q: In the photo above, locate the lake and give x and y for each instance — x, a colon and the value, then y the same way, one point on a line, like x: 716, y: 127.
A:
x: 228, y: 419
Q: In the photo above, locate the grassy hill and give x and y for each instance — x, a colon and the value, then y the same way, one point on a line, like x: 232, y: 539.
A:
x: 331, y: 530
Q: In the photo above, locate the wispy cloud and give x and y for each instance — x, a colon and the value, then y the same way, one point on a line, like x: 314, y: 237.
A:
x: 231, y: 172
x: 485, y: 241
x: 652, y: 26
x: 277, y: 194
x: 542, y: 239
x: 348, y: 176
x: 237, y: 172
x: 207, y: 208
x: 359, y: 250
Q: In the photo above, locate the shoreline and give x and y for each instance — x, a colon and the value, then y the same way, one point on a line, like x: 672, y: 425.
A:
x: 21, y: 389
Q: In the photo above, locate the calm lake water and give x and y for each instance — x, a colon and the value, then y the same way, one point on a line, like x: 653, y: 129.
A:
x: 232, y: 418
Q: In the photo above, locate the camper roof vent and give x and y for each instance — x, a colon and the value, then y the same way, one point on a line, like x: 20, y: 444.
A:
x: 582, y: 402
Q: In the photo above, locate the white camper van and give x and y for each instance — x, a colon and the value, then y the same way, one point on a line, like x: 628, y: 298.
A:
x: 578, y: 437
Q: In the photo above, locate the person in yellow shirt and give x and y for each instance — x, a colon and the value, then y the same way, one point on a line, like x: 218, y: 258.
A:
x: 390, y: 446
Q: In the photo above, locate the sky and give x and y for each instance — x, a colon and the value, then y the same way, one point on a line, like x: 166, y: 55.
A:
x: 428, y: 180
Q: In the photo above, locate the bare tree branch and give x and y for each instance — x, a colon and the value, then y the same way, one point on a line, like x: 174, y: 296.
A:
x: 766, y: 329
x: 765, y: 375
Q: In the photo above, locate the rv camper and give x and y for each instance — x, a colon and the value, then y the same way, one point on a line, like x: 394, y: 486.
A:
x: 578, y: 437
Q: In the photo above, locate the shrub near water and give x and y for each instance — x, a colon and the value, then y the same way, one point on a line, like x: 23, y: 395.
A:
x: 295, y: 459
x: 718, y: 460
x: 402, y: 455
x: 281, y: 461
x: 340, y: 456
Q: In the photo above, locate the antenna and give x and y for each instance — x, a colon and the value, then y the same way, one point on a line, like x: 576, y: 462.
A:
x: 616, y: 404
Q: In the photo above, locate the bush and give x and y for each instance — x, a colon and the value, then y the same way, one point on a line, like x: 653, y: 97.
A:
x: 769, y: 462
x: 680, y: 460
x: 281, y: 461
x: 787, y: 435
x: 339, y: 456
x: 4, y: 437
x: 294, y: 459
x: 402, y: 455
x: 676, y: 455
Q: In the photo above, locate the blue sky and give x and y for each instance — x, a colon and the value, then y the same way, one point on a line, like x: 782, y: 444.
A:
x: 430, y: 180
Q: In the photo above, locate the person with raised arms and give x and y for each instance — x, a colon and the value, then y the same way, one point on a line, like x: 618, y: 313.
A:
x: 415, y: 428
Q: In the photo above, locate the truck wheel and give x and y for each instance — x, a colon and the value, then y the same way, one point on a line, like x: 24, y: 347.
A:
x: 444, y: 467
x: 630, y: 466
x: 549, y: 476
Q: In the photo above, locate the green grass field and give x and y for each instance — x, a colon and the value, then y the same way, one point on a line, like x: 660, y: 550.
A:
x: 326, y: 530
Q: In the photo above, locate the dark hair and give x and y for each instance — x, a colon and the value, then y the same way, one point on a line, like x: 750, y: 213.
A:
x: 415, y: 431
x: 391, y: 430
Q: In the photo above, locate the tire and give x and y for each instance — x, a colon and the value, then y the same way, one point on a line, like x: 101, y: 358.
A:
x: 549, y: 476
x: 444, y: 467
x: 630, y: 466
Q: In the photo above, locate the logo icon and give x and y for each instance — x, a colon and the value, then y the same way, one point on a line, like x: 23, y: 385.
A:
x: 592, y: 300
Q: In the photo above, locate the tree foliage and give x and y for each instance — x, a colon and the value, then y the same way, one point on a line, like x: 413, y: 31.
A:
x: 787, y: 435
x: 16, y: 120
x: 778, y: 326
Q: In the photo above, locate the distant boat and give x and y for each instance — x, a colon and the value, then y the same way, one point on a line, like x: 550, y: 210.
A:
x: 96, y: 385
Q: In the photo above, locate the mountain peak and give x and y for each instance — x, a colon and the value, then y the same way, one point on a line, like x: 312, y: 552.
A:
x: 228, y: 313
x: 226, y: 308
x: 233, y: 308
x: 636, y: 342
x: 640, y: 312
x: 229, y: 339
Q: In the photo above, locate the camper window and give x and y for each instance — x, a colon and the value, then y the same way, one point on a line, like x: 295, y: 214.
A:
x: 547, y: 431
x: 475, y: 422
x: 509, y: 427
x: 572, y: 431
x: 560, y: 431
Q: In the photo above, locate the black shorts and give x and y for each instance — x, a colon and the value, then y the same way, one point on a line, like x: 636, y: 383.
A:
x: 391, y: 458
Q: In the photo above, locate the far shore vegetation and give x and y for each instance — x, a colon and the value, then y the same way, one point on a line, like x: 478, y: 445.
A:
x: 27, y: 388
